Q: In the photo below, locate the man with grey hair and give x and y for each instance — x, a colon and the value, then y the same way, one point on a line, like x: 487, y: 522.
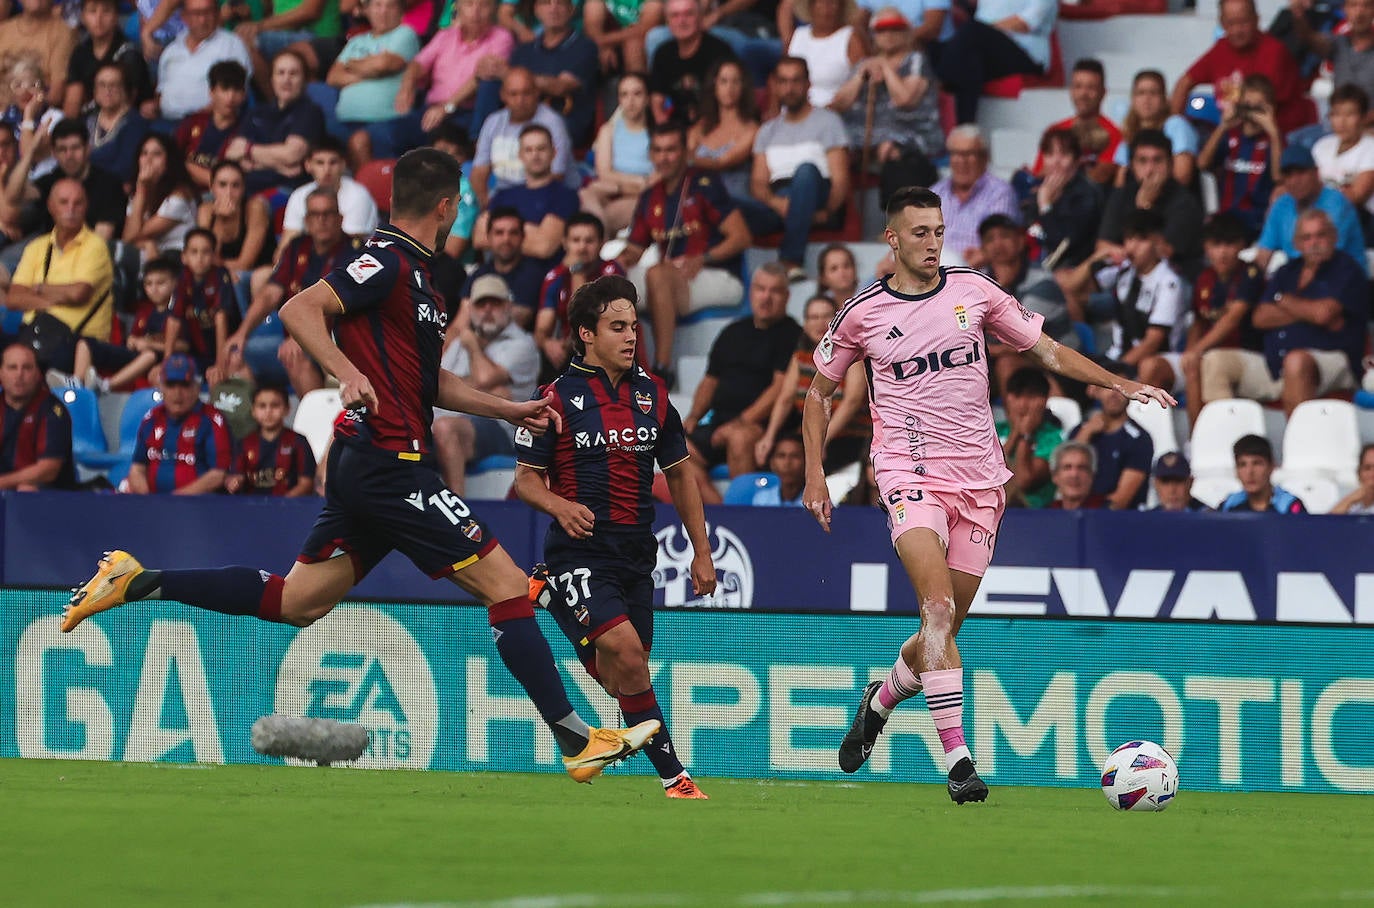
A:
x: 1072, y: 468
x: 1313, y: 319
x: 743, y: 377
x: 970, y: 194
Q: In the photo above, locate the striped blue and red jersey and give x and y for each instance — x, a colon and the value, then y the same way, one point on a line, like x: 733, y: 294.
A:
x: 612, y: 436
x: 273, y: 466
x: 196, y: 302
x: 177, y: 452
x: 704, y: 204
x: 392, y: 330
x: 39, y: 430
x: 299, y: 265
x: 1246, y: 180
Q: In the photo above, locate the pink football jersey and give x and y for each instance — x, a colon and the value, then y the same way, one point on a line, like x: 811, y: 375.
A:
x: 926, y: 359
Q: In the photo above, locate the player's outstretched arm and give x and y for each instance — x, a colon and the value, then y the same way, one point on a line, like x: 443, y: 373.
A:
x: 536, y: 415
x: 815, y: 422
x: 1071, y: 364
x: 305, y: 317
x: 682, y: 487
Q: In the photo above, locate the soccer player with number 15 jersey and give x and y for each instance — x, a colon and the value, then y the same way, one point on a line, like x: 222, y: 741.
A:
x: 939, y: 467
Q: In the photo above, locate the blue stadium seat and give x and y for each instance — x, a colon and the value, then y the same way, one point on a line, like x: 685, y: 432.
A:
x: 135, y: 408
x: 720, y: 471
x: 88, y: 438
x: 260, y: 351
x: 1085, y: 338
x: 744, y: 486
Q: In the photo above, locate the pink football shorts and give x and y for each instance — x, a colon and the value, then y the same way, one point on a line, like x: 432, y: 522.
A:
x: 966, y: 521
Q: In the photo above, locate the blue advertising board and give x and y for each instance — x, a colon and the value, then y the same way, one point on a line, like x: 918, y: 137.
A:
x: 1204, y: 567
x: 1241, y: 707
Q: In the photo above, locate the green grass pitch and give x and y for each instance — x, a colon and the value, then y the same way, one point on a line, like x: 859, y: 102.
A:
x: 150, y: 835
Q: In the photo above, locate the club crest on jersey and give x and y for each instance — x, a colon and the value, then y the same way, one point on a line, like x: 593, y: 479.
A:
x: 472, y: 529
x: 363, y: 267
x: 961, y: 317
x: 644, y: 401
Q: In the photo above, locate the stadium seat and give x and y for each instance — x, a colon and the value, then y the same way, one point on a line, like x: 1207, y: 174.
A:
x: 130, y: 418
x: 744, y: 486
x: 1319, y: 493
x: 315, y: 418
x: 1067, y: 411
x: 88, y: 438
x: 1212, y: 490
x: 1218, y: 426
x: 691, y: 369
x: 376, y: 178
x: 490, y: 478
x: 1322, y: 439
x: 1158, y: 421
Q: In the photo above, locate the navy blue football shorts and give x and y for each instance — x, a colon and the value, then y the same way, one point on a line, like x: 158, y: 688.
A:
x: 601, y: 582
x: 375, y: 502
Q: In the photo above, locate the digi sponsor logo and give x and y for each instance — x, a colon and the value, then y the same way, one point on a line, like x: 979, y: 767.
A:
x: 673, y: 570
x: 372, y: 673
x: 962, y: 355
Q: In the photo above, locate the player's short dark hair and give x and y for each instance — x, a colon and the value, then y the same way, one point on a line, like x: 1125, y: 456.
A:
x: 1152, y: 138
x: 996, y: 222
x: 228, y: 74
x: 204, y: 233
x: 670, y: 128
x: 1225, y: 227
x: 534, y: 128
x: 275, y: 389
x: 1350, y: 93
x: 164, y: 264
x: 591, y: 299
x: 66, y: 129
x: 1028, y: 381
x: 585, y: 219
x: 504, y: 212
x: 329, y: 143
x: 1253, y: 446
x: 911, y: 197
x: 420, y: 179
x: 1090, y: 65
x: 1064, y: 139
x: 1142, y: 222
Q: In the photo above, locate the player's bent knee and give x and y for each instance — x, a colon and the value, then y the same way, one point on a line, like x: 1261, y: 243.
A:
x: 937, y: 615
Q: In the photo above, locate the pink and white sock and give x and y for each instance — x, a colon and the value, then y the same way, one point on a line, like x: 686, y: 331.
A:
x: 945, y: 699
x: 901, y: 684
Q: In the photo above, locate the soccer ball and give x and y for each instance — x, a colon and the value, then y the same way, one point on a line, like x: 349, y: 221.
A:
x: 1140, y: 775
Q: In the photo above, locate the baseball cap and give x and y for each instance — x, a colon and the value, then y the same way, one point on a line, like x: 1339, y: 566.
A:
x: 180, y: 368
x: 1172, y: 466
x: 1296, y: 157
x: 489, y: 286
x: 889, y: 18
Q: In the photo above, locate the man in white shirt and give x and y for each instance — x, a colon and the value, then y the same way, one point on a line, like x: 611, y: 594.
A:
x: 326, y: 164
x: 184, y: 67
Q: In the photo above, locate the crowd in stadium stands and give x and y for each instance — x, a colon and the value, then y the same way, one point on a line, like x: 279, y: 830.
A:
x: 173, y: 172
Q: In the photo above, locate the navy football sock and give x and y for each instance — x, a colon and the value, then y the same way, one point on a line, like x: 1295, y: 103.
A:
x: 229, y: 590
x: 527, y: 656
x: 642, y: 707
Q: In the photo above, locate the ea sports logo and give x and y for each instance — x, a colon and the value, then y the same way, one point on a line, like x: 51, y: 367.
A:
x: 673, y: 571
x: 367, y: 669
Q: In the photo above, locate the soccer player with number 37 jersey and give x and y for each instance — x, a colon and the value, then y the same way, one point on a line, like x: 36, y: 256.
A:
x: 385, y: 492
x: 594, y: 477
x: 938, y: 464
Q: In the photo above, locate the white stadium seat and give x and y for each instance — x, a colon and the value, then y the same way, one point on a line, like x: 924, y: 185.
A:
x: 1323, y: 438
x: 1157, y: 421
x: 315, y: 418
x: 1319, y: 493
x: 1212, y: 490
x: 1219, y: 424
x: 1067, y: 411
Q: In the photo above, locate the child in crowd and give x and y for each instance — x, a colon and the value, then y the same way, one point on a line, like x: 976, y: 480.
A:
x: 204, y: 306
x: 272, y: 460
x: 1244, y: 153
x: 127, y: 365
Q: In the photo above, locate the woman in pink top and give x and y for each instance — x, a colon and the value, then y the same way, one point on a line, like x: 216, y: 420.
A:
x: 462, y: 65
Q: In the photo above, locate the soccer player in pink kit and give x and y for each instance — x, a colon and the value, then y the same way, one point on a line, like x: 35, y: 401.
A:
x: 939, y: 466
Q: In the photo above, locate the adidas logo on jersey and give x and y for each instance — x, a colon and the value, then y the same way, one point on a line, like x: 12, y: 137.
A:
x: 894, y: 333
